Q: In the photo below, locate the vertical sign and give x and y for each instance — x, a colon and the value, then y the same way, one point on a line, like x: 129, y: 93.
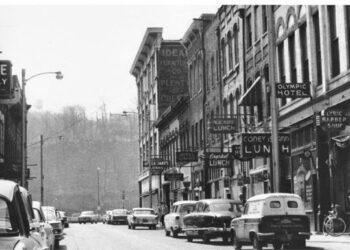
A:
x: 5, y: 79
x: 172, y: 74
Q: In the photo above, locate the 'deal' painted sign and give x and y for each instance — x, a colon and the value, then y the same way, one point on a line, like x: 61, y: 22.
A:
x: 219, y: 160
x: 222, y: 126
x: 293, y: 90
x: 259, y: 144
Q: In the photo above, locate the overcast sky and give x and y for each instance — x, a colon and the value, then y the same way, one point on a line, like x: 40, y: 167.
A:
x: 93, y: 45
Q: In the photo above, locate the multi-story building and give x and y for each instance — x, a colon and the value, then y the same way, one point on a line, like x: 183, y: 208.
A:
x: 160, y: 71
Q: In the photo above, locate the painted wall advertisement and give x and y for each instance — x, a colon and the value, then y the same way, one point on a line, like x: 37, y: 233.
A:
x: 172, y: 75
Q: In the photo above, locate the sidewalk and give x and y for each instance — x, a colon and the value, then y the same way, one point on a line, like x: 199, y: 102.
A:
x: 320, y: 237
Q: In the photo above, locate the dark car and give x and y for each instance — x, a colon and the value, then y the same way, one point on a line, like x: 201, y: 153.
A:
x: 211, y: 218
x: 119, y: 216
x: 64, y: 218
x: 275, y: 218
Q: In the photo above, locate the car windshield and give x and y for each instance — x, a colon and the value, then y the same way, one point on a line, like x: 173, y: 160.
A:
x: 229, y: 207
x: 87, y: 213
x: 5, y: 222
x: 143, y: 212
x: 119, y: 211
x: 49, y: 214
x: 187, y: 208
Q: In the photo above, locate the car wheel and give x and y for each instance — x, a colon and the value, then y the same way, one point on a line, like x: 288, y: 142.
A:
x: 174, y: 233
x: 205, y: 238
x: 277, y: 245
x: 167, y: 233
x: 256, y: 243
x: 133, y: 227
x: 150, y: 227
x: 57, y: 243
x: 129, y: 226
x: 189, y: 239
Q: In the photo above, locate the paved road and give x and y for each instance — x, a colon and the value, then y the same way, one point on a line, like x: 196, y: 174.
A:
x: 119, y: 237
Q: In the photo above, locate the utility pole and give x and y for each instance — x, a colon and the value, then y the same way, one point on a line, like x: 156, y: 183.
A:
x: 275, y: 162
x: 41, y: 171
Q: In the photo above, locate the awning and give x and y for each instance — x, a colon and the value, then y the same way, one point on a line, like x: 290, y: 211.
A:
x: 257, y: 171
x: 342, y: 141
x: 247, y: 98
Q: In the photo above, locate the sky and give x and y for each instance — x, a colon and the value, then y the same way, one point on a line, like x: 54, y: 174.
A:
x: 93, y: 44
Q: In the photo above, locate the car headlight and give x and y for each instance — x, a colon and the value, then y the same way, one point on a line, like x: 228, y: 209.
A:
x: 20, y: 246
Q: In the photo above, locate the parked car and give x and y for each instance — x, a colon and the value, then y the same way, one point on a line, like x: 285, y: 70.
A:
x: 211, y: 219
x: 73, y: 218
x: 53, y: 217
x: 145, y: 217
x: 64, y: 218
x: 275, y: 218
x: 173, y: 222
x: 119, y: 216
x: 88, y: 216
x: 16, y: 232
x: 40, y: 218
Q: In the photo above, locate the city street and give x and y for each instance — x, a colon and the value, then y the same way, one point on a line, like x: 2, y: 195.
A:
x: 110, y: 237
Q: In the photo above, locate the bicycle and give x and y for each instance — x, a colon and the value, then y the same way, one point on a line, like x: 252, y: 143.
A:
x: 333, y: 225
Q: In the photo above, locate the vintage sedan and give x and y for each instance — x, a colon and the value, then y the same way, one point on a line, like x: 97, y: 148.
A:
x: 143, y: 217
x: 173, y: 222
x: 40, y: 218
x: 275, y: 218
x: 15, y: 225
x: 211, y: 219
x: 88, y: 216
x: 119, y: 216
x: 53, y: 217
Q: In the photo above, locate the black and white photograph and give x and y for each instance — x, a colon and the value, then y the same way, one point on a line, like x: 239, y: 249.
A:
x: 192, y: 125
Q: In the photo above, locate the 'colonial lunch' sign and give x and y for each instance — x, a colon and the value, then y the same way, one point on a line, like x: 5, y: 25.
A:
x: 219, y: 160
x: 222, y: 126
x: 293, y: 90
x: 186, y: 156
x: 259, y: 144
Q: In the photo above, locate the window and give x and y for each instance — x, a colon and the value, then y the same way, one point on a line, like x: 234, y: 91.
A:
x: 256, y: 28
x: 347, y: 13
x: 292, y: 64
x: 292, y: 204
x: 190, y: 74
x: 201, y: 132
x: 223, y: 54
x: 280, y: 51
x: 275, y: 204
x: 316, y: 23
x: 264, y: 18
x: 304, y: 54
x: 230, y: 53
x: 5, y: 223
x: 236, y: 44
x: 196, y: 134
x: 335, y: 67
x: 249, y: 31
x: 212, y: 70
x: 195, y: 76
x: 268, y: 93
x: 192, y: 134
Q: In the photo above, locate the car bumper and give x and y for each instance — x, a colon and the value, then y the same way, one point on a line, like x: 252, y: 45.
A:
x: 210, y: 231
x: 286, y: 237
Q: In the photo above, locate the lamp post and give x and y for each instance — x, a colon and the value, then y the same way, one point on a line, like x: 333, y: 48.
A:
x: 98, y: 191
x: 59, y: 76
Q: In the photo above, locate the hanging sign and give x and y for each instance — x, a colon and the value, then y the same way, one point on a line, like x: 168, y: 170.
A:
x: 174, y: 176
x: 186, y: 156
x: 5, y: 79
x: 259, y: 144
x: 333, y: 119
x: 222, y: 125
x: 293, y: 90
x: 219, y: 160
x: 237, y: 153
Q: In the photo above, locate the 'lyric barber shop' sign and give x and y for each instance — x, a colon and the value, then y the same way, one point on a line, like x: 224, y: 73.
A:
x: 260, y: 144
x: 219, y: 160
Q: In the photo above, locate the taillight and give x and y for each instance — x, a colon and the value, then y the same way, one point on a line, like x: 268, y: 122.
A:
x: 177, y: 217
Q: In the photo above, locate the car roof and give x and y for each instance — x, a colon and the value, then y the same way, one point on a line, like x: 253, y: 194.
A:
x: 48, y: 208
x: 36, y: 204
x: 273, y: 195
x: 212, y: 201
x: 7, y: 189
x: 184, y: 202
x: 142, y: 208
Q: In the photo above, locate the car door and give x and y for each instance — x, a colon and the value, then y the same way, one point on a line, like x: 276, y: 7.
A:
x: 239, y: 223
x: 170, y: 218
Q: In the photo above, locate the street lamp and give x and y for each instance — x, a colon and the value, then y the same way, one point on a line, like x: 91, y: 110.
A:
x: 98, y: 190
x: 59, y: 76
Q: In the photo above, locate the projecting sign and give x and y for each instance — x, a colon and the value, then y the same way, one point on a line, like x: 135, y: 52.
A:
x: 293, y: 90
x: 159, y: 164
x: 5, y: 79
x: 333, y: 119
x: 222, y: 126
x: 237, y: 153
x: 219, y: 160
x: 259, y: 144
x: 186, y: 156
x: 173, y: 176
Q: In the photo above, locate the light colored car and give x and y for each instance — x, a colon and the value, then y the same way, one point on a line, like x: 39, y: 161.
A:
x: 39, y: 217
x: 275, y: 218
x: 119, y: 216
x: 73, y: 218
x: 53, y: 217
x: 64, y: 218
x: 173, y: 222
x: 88, y: 216
x: 143, y: 217
x: 15, y: 225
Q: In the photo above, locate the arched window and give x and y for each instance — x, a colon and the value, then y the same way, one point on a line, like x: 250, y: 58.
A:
x: 230, y: 53
x: 235, y: 44
x: 223, y: 55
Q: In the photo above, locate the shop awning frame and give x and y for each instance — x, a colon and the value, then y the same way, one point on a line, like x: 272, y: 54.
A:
x: 242, y: 100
